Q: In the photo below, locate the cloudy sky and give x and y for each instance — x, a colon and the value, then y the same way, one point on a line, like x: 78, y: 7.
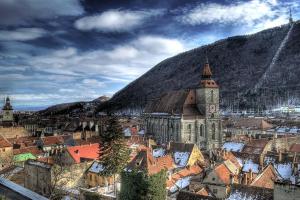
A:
x: 62, y: 51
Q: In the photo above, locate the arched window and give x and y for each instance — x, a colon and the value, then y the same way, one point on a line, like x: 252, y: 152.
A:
x: 201, y: 130
x: 189, y: 131
x: 212, y: 96
x: 213, y: 131
x: 196, y: 133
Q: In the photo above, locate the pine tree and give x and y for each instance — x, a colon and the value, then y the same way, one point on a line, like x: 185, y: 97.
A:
x: 114, y: 153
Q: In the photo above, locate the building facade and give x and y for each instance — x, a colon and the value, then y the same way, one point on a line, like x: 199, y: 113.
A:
x: 189, y: 115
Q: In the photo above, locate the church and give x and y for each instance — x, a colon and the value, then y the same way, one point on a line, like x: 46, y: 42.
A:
x: 187, y: 115
x: 7, y: 113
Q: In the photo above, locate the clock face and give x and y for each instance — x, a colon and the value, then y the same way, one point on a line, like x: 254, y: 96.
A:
x: 212, y: 108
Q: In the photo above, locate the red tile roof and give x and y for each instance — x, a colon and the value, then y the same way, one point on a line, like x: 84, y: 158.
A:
x: 223, y: 173
x: 295, y: 148
x: 4, y: 142
x: 51, y: 140
x: 144, y: 160
x: 86, y: 152
x: 232, y: 158
x: 266, y: 178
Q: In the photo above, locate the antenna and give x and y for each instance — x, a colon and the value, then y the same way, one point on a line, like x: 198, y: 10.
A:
x: 206, y: 57
x: 291, y: 16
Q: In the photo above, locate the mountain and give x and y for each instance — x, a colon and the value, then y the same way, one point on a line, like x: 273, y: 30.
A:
x: 258, y: 71
x: 74, y: 108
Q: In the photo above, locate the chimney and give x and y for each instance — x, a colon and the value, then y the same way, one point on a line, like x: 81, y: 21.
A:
x: 280, y: 156
x: 251, y: 175
x: 245, y: 179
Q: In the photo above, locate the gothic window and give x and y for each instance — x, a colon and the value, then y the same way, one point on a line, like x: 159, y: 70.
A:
x: 177, y: 132
x: 213, y: 131
x: 201, y: 130
x: 196, y: 133
x: 190, y: 131
x: 212, y: 96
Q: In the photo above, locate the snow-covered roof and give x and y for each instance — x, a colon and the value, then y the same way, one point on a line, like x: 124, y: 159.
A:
x: 249, y: 164
x: 127, y: 132
x: 21, y: 190
x: 96, y: 167
x: 159, y: 152
x: 233, y: 146
x: 180, y: 184
x: 285, y: 170
x: 181, y: 158
x: 141, y: 132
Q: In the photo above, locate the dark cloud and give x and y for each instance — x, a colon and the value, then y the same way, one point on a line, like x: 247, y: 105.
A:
x: 69, y: 50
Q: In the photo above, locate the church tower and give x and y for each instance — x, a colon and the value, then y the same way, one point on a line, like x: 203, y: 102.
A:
x: 7, y: 113
x: 208, y: 105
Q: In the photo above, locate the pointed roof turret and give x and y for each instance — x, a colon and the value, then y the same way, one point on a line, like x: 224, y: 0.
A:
x: 206, y: 80
x: 7, y: 105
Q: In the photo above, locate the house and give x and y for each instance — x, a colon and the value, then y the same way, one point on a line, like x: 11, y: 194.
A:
x: 181, y: 179
x: 249, y: 126
x: 144, y: 161
x: 266, y: 178
x: 187, y: 115
x: 51, y: 144
x: 83, y: 153
x: 219, y: 179
x: 19, y: 159
x: 94, y: 177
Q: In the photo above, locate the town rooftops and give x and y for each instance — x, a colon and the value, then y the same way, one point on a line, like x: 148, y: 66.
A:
x: 239, y: 191
x: 4, y: 143
x: 84, y: 152
x: 252, y: 123
x: 33, y: 150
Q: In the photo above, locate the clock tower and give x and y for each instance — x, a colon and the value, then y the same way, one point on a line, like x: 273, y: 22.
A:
x: 208, y: 104
x: 7, y: 112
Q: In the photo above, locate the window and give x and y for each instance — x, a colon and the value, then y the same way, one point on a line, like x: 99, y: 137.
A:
x: 212, y: 96
x: 190, y: 131
x: 201, y: 130
x: 213, y: 131
x: 196, y: 133
x: 215, y: 191
x: 3, y: 150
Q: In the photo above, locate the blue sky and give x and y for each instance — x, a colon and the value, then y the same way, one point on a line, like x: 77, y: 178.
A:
x: 77, y: 50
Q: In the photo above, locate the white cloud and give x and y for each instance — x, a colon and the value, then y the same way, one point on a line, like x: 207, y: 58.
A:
x: 93, y: 83
x: 124, y: 62
x: 22, y: 34
x: 15, y: 12
x: 115, y: 20
x: 253, y: 15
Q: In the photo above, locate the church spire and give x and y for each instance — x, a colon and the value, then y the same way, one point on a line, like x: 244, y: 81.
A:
x: 206, y: 73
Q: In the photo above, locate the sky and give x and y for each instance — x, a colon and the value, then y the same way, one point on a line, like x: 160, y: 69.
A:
x: 77, y: 50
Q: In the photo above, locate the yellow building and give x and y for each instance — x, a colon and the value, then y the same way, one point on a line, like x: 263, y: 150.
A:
x: 94, y: 178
